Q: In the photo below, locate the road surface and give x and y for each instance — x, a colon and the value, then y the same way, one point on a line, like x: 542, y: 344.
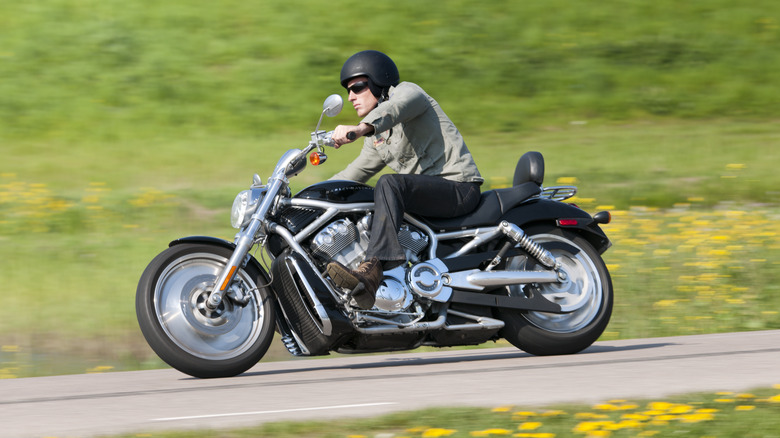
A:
x: 348, y: 386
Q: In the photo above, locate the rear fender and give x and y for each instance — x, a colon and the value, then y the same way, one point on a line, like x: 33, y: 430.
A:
x: 552, y: 212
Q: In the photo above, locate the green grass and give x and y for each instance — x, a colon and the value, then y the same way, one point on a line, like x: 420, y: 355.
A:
x: 113, y: 70
x: 721, y: 415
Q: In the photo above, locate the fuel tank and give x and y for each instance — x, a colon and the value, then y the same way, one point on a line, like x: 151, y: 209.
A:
x: 342, y: 192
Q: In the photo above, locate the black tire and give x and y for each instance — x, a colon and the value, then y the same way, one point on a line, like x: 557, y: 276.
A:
x: 170, y: 313
x: 589, y: 286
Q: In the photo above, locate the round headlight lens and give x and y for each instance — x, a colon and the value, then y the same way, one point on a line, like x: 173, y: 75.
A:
x: 244, y: 206
x: 238, y: 214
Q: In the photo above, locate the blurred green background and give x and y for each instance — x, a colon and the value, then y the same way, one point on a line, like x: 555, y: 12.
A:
x: 125, y: 124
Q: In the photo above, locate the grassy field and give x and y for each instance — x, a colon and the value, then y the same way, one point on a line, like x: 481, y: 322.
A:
x: 114, y: 70
x: 695, y: 249
x: 124, y: 125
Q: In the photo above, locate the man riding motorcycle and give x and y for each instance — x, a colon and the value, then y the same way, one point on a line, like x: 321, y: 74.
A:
x: 403, y: 128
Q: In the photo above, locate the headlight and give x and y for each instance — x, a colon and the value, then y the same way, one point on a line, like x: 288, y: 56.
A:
x: 244, y: 206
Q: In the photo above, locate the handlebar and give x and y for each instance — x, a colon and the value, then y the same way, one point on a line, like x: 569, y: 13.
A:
x: 326, y: 138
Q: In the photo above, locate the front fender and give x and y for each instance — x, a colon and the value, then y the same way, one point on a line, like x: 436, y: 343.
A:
x: 208, y: 240
x: 550, y: 212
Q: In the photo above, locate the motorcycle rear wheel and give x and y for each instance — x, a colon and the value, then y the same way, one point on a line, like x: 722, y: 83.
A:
x: 586, y: 293
x: 175, y: 322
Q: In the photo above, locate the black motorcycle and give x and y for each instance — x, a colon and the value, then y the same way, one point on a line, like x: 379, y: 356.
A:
x: 523, y: 266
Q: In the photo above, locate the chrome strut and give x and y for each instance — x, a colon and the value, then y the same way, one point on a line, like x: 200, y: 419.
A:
x: 529, y: 245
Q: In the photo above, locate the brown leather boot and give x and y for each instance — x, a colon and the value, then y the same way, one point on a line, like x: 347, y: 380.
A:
x: 363, y: 281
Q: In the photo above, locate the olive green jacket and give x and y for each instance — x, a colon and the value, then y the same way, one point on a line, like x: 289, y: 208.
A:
x: 412, y: 135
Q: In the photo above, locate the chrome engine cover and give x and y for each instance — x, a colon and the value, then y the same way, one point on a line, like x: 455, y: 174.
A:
x: 392, y: 296
x: 430, y: 279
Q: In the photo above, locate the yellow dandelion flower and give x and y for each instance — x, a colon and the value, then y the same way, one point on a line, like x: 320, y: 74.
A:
x: 567, y: 180
x: 653, y: 413
x: 436, y: 432
x: 629, y: 424
x: 587, y: 426
x: 534, y: 435
x: 637, y: 417
x: 356, y: 436
x: 10, y: 349
x: 744, y: 408
x: 680, y: 409
x: 665, y: 303
x: 695, y: 418
x: 522, y: 413
x: 494, y: 431
x: 553, y: 413
x: 589, y: 416
x: 724, y: 400
x: 532, y: 425
x: 502, y: 409
x: 100, y: 369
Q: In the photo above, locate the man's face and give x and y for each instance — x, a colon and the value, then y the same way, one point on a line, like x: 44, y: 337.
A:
x: 360, y: 96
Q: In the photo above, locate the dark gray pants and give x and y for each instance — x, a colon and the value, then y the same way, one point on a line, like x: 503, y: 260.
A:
x: 423, y: 195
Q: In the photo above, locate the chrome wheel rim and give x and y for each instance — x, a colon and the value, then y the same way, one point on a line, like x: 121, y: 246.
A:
x: 580, y: 294
x: 179, y: 300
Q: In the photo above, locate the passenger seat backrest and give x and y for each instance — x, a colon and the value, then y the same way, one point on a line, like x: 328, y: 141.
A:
x: 530, y: 168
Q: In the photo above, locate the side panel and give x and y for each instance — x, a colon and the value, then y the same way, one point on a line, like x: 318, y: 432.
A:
x: 302, y: 311
x: 548, y: 211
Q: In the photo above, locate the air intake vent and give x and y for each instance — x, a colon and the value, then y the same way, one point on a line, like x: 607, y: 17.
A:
x: 297, y: 218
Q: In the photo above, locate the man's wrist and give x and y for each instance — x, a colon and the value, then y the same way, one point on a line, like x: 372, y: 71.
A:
x: 365, y: 129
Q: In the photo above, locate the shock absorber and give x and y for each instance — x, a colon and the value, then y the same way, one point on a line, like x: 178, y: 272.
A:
x: 529, y: 245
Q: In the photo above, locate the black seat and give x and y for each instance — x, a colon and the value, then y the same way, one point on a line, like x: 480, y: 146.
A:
x: 527, y: 182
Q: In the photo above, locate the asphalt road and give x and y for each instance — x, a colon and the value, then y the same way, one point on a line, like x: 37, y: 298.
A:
x: 144, y: 401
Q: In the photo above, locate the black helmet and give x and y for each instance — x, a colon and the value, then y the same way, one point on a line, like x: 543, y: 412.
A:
x: 380, y: 69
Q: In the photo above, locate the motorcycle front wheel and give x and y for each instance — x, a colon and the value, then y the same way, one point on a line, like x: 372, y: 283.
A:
x: 585, y: 295
x: 171, y: 311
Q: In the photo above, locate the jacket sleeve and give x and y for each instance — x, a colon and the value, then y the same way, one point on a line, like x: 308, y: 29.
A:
x: 366, y: 165
x: 405, y: 103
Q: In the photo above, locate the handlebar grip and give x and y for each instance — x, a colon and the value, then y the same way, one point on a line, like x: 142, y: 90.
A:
x: 351, y: 135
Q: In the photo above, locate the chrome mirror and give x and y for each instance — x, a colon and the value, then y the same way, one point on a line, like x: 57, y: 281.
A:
x: 332, y: 106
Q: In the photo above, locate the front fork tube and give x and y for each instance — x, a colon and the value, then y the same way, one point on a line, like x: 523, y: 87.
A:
x: 237, y: 260
x: 243, y: 244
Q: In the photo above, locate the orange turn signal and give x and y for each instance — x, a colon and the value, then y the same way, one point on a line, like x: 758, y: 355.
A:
x: 317, y: 158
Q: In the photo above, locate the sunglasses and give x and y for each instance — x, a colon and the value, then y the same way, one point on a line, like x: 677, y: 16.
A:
x: 357, y: 87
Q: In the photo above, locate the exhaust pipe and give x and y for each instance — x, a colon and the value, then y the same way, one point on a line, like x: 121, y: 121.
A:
x: 478, y: 280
